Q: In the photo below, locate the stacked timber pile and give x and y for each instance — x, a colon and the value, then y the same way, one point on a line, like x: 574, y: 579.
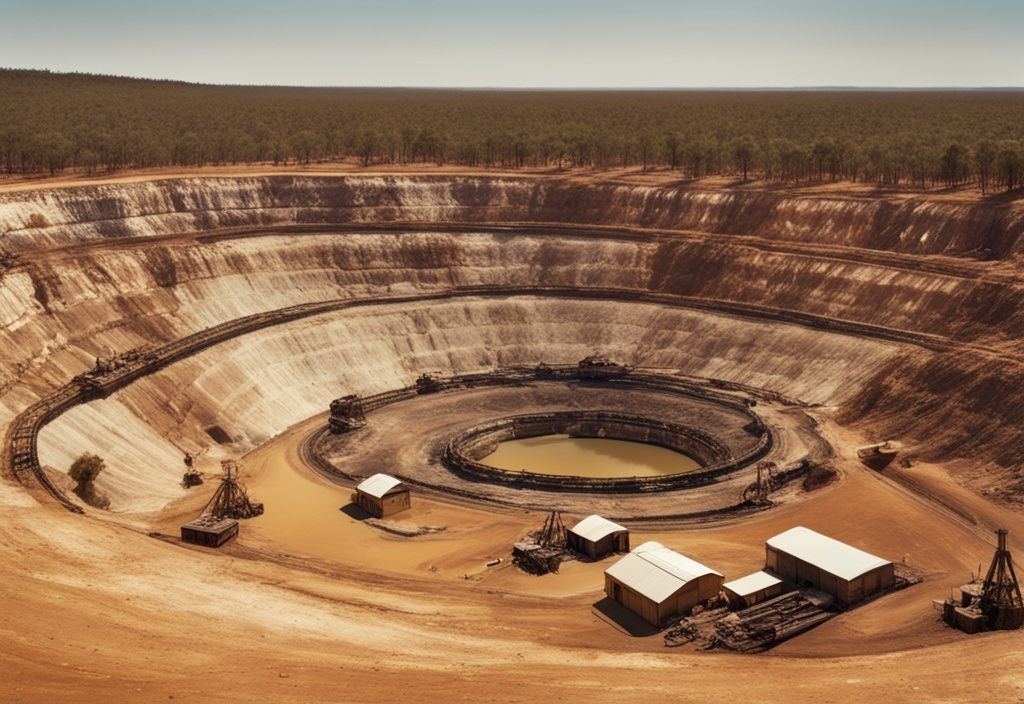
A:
x: 542, y: 551
x: 698, y: 628
x: 755, y: 629
x: 231, y: 500
x: 534, y: 559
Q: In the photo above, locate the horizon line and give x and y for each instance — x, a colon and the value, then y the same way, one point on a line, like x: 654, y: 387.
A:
x: 512, y: 88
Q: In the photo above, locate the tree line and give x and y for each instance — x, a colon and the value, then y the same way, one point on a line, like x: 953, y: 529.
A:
x: 50, y: 123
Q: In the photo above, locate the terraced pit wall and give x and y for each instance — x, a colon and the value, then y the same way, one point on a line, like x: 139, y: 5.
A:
x: 926, y: 293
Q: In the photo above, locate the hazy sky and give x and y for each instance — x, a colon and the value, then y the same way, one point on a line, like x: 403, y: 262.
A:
x: 544, y: 43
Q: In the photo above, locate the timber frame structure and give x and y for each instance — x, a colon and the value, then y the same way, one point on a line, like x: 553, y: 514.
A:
x: 231, y: 500
x: 996, y: 603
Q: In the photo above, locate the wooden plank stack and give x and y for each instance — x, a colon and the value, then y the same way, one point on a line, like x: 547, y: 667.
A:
x: 754, y: 629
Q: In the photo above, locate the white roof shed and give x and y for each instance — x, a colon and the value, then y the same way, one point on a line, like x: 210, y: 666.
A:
x: 380, y: 485
x: 752, y: 583
x: 594, y: 528
x: 825, y: 553
x: 657, y: 572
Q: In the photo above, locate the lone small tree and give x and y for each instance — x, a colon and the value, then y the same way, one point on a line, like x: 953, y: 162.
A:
x: 84, y: 471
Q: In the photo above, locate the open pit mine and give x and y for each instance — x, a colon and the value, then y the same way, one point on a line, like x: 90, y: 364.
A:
x: 440, y: 437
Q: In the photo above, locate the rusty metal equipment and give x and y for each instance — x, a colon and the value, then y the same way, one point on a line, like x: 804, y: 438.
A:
x: 192, y: 477
x: 597, y: 368
x: 230, y: 500
x: 879, y: 455
x: 428, y: 383
x: 995, y: 603
x: 552, y: 533
x: 544, y: 371
x: 347, y: 413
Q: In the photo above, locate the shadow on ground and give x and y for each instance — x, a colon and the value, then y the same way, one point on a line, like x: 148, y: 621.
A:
x: 355, y: 512
x: 617, y: 615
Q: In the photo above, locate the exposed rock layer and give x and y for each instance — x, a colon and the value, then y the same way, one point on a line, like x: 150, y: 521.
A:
x: 864, y: 260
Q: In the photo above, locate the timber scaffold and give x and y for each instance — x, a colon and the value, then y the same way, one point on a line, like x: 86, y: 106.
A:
x: 21, y: 459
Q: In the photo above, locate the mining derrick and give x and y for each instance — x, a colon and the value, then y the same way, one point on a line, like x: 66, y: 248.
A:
x: 1000, y: 593
x: 542, y: 552
x: 759, y: 491
x: 552, y: 533
x: 230, y: 499
x: 996, y: 603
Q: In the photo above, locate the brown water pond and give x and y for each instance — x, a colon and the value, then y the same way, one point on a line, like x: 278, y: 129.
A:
x: 588, y: 457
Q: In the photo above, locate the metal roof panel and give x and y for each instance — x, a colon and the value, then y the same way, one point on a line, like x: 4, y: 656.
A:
x: 657, y: 572
x: 825, y: 553
x: 379, y: 485
x: 594, y: 527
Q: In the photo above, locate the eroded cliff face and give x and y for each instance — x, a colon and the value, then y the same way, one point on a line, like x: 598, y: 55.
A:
x: 891, y: 224
x: 117, y: 267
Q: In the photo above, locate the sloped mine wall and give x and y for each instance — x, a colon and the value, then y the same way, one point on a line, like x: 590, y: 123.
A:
x: 127, y: 265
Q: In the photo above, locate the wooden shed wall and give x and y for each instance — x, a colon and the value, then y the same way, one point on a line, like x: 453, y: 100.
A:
x: 845, y: 592
x: 395, y: 503
x: 381, y: 508
x: 689, y: 595
x: 611, y: 543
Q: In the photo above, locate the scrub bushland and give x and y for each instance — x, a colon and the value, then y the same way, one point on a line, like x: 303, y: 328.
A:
x: 50, y: 123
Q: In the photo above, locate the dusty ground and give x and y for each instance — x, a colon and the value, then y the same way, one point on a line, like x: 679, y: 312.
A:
x: 313, y: 605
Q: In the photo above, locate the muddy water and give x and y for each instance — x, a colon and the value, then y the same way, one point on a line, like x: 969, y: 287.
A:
x: 588, y: 457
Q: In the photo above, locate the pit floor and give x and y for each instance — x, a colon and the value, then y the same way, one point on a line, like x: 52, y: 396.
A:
x: 388, y: 445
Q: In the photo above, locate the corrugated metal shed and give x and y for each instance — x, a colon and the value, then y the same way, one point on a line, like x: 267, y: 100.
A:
x: 825, y: 553
x: 752, y: 583
x: 379, y: 485
x: 657, y: 572
x: 595, y: 528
